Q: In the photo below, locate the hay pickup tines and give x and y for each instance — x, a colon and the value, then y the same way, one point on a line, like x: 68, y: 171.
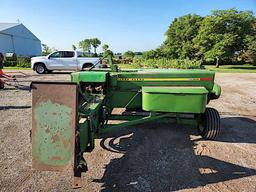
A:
x: 67, y: 117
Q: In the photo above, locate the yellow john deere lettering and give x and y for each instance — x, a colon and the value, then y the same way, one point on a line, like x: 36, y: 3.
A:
x: 158, y: 79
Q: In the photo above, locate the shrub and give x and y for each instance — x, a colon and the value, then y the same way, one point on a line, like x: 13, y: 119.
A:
x: 19, y: 62
x: 169, y: 63
x: 9, y: 63
x: 23, y: 62
x: 154, y: 54
x: 129, y: 54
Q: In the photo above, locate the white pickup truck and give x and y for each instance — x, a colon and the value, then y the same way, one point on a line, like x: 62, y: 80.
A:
x: 63, y: 60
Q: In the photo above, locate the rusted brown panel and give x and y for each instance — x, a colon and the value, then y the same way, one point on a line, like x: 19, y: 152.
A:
x: 54, y: 117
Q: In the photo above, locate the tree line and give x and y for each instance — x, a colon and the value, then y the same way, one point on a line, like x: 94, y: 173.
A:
x: 86, y: 45
x: 225, y: 36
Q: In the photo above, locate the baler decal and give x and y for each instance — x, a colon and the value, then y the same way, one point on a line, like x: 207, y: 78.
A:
x: 206, y: 79
x: 166, y: 79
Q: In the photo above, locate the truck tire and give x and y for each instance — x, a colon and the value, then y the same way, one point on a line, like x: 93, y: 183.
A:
x: 40, y: 68
x: 209, y: 128
x: 86, y: 65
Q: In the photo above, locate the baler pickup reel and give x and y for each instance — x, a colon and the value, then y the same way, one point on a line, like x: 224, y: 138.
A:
x: 67, y: 117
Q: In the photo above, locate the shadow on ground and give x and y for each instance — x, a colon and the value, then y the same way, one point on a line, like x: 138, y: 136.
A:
x: 242, y: 67
x: 59, y: 72
x: 160, y: 157
x: 14, y: 107
x: 16, y: 86
x: 238, y: 130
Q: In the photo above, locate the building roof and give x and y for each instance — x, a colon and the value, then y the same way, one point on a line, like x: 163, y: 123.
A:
x: 22, y: 31
x: 4, y: 26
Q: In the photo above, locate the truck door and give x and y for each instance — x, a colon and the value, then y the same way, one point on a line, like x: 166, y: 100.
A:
x: 54, y: 61
x: 69, y: 60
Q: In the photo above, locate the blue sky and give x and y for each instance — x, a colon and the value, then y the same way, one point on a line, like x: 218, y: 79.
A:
x: 136, y: 25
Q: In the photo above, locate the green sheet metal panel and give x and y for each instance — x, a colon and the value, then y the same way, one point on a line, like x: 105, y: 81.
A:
x: 127, y: 99
x: 175, y: 90
x: 135, y: 80
x: 174, y: 99
x: 216, y: 91
x: 84, y: 133
x: 89, y: 76
x: 54, y: 117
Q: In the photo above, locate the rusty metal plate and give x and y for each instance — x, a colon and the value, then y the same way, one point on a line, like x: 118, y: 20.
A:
x: 54, y: 117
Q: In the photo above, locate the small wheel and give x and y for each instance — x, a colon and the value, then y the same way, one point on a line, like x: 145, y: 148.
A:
x: 40, y: 68
x: 209, y: 128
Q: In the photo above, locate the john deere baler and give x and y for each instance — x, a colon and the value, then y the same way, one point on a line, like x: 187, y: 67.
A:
x: 67, y: 117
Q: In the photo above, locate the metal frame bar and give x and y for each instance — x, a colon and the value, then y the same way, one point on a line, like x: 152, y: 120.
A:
x: 136, y: 119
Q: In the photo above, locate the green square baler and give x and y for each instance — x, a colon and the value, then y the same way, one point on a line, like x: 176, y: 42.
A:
x: 67, y: 117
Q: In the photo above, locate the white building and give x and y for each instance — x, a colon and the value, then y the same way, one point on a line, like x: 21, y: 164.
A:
x: 16, y: 38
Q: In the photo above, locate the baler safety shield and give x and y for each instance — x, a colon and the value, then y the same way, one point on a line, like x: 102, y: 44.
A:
x: 186, y: 99
x: 54, y: 117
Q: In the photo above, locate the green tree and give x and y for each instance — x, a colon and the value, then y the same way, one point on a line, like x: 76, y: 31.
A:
x: 154, y: 54
x: 105, y: 47
x: 249, y: 53
x: 74, y: 47
x: 85, y: 45
x: 95, y: 42
x: 107, y: 52
x: 222, y: 35
x: 46, y: 49
x: 179, y: 36
x: 129, y: 54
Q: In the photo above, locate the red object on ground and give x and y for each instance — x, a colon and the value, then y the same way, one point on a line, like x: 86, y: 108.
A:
x: 4, y: 74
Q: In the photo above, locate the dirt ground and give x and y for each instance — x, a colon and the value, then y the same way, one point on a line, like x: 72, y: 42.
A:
x: 157, y: 156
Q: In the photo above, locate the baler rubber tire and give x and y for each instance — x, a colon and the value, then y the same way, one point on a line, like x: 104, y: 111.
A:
x: 211, y: 124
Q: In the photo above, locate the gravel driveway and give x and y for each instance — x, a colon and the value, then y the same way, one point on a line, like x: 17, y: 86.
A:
x: 157, y: 156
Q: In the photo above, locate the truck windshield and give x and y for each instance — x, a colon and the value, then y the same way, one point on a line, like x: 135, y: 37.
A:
x: 55, y: 55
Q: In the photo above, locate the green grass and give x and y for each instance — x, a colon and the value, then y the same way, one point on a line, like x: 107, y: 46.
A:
x: 128, y: 66
x: 223, y: 68
x: 16, y: 68
x: 232, y: 68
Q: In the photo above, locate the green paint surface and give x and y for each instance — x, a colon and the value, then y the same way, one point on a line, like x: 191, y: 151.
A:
x: 53, y: 137
x: 129, y: 99
x: 174, y: 99
x: 177, y: 90
x: 89, y: 76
